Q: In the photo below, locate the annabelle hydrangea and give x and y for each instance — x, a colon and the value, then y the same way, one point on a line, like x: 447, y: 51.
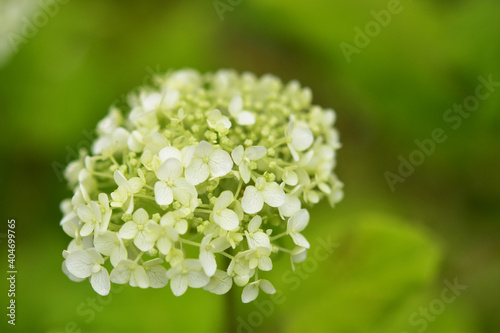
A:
x: 198, y: 183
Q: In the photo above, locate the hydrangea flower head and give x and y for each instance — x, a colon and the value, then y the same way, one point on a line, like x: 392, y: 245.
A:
x: 198, y: 183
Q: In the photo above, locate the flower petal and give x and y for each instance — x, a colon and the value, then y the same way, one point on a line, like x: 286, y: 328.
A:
x: 259, y: 239
x: 203, y: 149
x: 128, y: 230
x: 170, y: 152
x: 164, y: 245
x: 235, y: 105
x: 300, y: 240
x: 220, y: 163
x: 227, y: 219
x: 183, y: 191
x: 302, y: 137
x: 245, y: 172
x: 265, y: 264
x: 220, y: 283
x: 255, y: 152
x: 142, y: 242
x: 267, y: 287
x: 273, y: 195
x: 118, y: 254
x: 80, y: 264
x: 100, y: 282
x: 252, y: 201
x: 197, y: 171
x: 105, y: 242
x: 122, y: 272
x: 208, y: 262
x: 245, y: 118
x: 254, y: 223
x: 163, y: 193
x: 197, y: 279
x: 139, y: 278
x: 250, y: 292
x: 140, y: 216
x: 237, y: 154
x: 84, y: 213
x: 291, y: 206
x: 120, y: 179
x: 299, y: 220
x: 157, y: 276
x: 171, y: 169
x: 224, y: 200
x: 179, y: 284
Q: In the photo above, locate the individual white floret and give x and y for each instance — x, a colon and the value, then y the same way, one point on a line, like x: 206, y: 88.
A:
x: 242, y: 158
x: 263, y: 192
x: 251, y: 291
x: 188, y: 272
x: 136, y: 230
x: 88, y: 263
x: 208, y: 161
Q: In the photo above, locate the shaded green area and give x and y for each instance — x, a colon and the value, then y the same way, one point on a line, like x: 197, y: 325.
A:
x: 394, y: 249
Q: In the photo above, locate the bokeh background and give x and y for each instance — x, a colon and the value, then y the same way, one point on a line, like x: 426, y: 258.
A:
x: 394, y: 249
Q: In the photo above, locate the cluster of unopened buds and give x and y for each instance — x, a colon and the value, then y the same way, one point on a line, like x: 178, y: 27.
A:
x: 198, y: 183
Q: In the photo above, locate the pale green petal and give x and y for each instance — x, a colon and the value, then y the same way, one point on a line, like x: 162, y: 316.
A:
x: 267, y: 287
x: 273, y: 195
x: 84, y: 213
x: 252, y: 201
x: 100, y: 282
x: 227, y: 219
x: 204, y: 149
x: 170, y: 152
x: 197, y: 171
x: 164, y: 245
x: 224, y: 200
x: 250, y: 292
x: 163, y: 193
x: 171, y: 169
x: 179, y: 284
x: 235, y: 105
x: 220, y: 163
x: 118, y: 254
x: 220, y: 283
x: 302, y: 137
x: 142, y: 242
x: 255, y: 153
x: 128, y: 230
x: 265, y: 264
x: 140, y: 216
x: 300, y: 240
x: 80, y: 264
x: 197, y: 279
x: 120, y: 179
x: 122, y: 272
x: 245, y: 118
x: 237, y: 154
x: 157, y: 276
x: 139, y: 278
x: 207, y: 260
x: 245, y: 172
x: 254, y: 223
x: 105, y: 242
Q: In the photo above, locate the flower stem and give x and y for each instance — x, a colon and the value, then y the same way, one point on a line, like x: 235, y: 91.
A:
x: 279, y: 235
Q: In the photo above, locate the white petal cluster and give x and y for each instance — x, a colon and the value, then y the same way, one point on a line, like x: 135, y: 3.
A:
x: 198, y: 183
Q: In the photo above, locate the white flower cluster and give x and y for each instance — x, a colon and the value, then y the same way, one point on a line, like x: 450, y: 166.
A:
x: 199, y: 182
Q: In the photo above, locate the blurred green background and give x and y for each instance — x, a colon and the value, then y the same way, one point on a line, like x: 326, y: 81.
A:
x: 394, y: 249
